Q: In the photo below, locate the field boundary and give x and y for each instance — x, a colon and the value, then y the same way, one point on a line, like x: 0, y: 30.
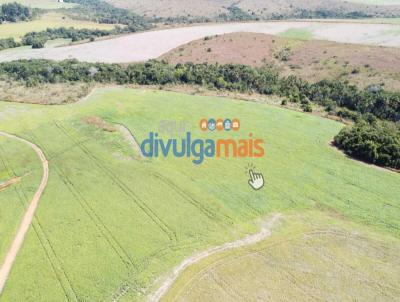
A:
x: 29, y: 214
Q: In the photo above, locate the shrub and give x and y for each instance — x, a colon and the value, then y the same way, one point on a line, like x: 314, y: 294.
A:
x: 307, y: 107
x: 377, y: 142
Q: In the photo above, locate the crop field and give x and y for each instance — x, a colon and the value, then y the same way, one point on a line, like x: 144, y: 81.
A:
x: 50, y: 20
x: 45, y: 4
x: 110, y: 225
x: 152, y: 44
x: 300, y: 262
x: 26, y: 170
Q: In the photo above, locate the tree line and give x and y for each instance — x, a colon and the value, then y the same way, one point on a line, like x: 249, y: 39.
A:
x: 102, y: 12
x: 334, y: 94
x: 38, y: 39
x: 337, y: 97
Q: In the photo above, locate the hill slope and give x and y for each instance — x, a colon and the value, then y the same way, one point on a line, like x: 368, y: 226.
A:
x: 211, y: 9
x: 312, y: 60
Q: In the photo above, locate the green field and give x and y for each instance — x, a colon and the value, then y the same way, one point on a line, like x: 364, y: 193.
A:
x: 109, y: 225
x: 13, y: 199
x: 50, y: 20
x: 310, y: 256
x: 45, y: 4
x: 295, y: 33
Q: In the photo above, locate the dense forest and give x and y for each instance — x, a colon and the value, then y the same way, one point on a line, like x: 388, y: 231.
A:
x: 336, y: 97
x: 14, y: 12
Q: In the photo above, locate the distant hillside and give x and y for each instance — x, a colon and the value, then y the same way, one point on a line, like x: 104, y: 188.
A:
x: 312, y: 60
x: 259, y: 9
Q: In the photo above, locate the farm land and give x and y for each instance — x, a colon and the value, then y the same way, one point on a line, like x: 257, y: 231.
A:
x: 142, y: 217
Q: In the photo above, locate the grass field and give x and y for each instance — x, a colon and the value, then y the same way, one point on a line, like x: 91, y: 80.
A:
x: 13, y: 198
x: 301, y: 34
x: 50, y: 20
x: 108, y: 225
x: 309, y: 257
x: 45, y: 4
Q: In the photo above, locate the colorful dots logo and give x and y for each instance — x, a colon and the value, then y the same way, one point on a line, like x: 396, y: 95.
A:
x: 235, y: 124
x: 220, y: 124
x: 211, y: 124
x: 227, y: 124
x: 203, y: 124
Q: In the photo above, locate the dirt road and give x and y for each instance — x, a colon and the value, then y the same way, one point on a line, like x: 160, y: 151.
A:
x: 27, y: 219
x: 177, y: 271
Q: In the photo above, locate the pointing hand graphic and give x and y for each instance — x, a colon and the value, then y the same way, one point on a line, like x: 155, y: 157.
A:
x: 256, y: 180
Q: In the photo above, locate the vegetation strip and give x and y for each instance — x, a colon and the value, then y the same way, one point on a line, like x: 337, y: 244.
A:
x: 29, y: 214
x: 177, y: 271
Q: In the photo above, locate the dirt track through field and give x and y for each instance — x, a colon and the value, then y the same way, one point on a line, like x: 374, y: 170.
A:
x: 5, y: 268
x: 152, y: 44
x: 128, y: 135
x: 177, y: 271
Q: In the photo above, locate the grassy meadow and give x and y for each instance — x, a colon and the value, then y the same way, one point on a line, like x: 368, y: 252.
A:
x: 109, y: 225
x: 310, y: 256
x: 296, y: 33
x: 49, y: 20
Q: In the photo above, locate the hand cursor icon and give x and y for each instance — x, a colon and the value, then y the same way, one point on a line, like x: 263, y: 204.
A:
x: 256, y: 180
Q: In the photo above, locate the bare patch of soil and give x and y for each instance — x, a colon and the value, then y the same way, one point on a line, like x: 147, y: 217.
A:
x: 99, y: 123
x: 46, y: 94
